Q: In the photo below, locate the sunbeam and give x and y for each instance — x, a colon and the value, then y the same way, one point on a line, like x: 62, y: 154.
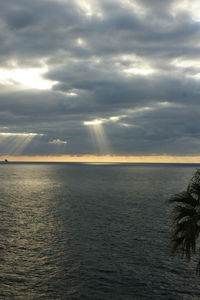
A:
x: 16, y: 143
x: 99, y: 136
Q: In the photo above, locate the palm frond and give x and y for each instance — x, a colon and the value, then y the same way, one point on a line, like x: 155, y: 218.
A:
x: 185, y: 239
x: 198, y: 265
x: 182, y: 212
x: 185, y: 230
x: 198, y: 268
x: 186, y: 219
x: 184, y: 198
x: 194, y: 186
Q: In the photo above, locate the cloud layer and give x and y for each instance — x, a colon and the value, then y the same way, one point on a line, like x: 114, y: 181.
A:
x: 133, y: 67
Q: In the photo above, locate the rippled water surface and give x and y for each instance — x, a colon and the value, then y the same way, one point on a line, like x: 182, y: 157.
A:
x: 91, y: 232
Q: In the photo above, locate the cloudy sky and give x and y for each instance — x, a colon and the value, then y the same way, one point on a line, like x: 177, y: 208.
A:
x: 99, y: 77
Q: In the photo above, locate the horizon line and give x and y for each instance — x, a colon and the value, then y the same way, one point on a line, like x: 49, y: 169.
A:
x: 184, y: 159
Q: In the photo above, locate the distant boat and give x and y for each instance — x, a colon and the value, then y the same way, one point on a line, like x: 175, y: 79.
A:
x: 4, y: 161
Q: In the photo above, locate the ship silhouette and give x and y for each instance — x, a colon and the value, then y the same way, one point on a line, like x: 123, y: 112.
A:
x: 5, y: 161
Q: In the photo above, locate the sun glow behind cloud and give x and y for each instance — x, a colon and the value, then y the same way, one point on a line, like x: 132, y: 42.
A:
x: 100, y: 121
x: 186, y: 6
x: 132, y: 64
x: 89, y: 8
x: 20, y: 134
x: 25, y: 78
x: 133, y: 6
x: 94, y: 122
x: 143, y: 71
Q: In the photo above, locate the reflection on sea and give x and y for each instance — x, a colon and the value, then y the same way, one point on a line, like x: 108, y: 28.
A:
x: 34, y: 248
x: 90, y: 232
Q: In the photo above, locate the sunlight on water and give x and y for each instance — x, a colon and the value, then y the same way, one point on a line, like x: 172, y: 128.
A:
x: 90, y: 232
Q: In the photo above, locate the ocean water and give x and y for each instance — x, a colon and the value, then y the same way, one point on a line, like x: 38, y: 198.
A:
x: 88, y: 232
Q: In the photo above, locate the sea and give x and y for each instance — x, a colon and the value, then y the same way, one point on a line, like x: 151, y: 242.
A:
x: 91, y: 232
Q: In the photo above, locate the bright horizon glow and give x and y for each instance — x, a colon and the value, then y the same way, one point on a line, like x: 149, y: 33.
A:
x: 103, y: 158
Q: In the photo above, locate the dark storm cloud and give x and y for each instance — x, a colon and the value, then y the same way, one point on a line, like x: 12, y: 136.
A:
x: 134, y: 61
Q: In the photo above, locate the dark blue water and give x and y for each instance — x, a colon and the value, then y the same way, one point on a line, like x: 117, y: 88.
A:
x: 91, y: 232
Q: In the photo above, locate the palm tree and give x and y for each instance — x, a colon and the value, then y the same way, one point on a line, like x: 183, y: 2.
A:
x: 186, y: 220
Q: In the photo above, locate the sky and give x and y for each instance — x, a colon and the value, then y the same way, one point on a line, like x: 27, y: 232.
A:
x: 107, y: 78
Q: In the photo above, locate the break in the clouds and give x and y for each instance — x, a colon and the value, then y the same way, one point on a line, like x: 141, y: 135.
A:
x: 99, y: 77
x: 57, y: 142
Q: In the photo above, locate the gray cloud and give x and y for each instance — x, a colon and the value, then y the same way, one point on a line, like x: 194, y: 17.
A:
x: 137, y: 61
